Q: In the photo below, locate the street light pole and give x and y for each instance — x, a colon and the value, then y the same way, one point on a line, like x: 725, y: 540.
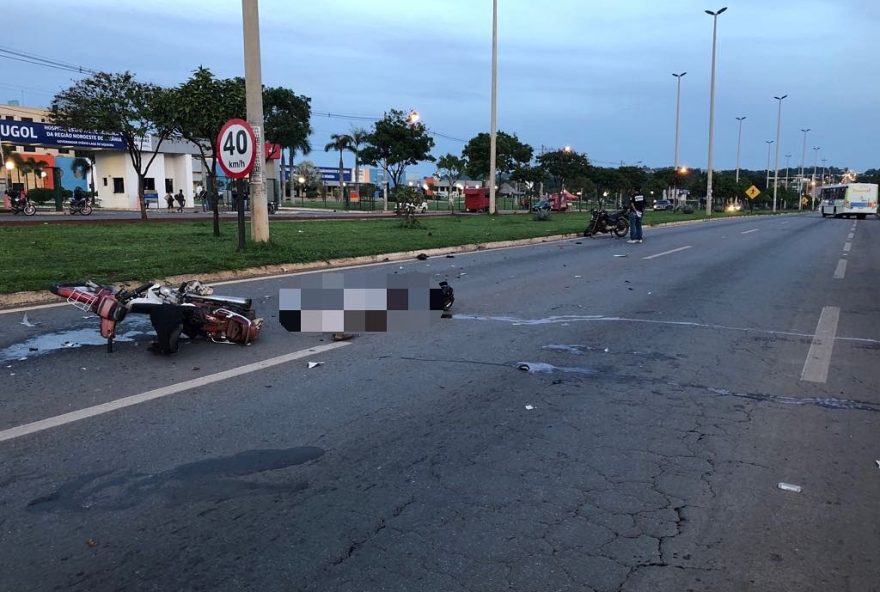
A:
x: 767, y: 180
x: 738, y: 141
x: 823, y: 170
x: 816, y: 158
x: 678, y: 78
x: 254, y: 105
x: 778, y: 129
x: 803, y: 159
x: 493, y: 132
x: 714, y: 16
x: 787, y: 157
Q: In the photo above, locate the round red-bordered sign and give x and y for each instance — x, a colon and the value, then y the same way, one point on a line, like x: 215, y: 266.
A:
x: 236, y: 148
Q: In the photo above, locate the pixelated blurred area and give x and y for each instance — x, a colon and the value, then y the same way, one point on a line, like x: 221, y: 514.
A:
x: 363, y: 303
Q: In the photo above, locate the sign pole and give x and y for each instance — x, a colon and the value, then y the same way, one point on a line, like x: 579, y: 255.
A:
x: 240, y: 190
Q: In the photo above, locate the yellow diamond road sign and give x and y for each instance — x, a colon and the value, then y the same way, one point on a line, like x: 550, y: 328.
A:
x: 753, y: 192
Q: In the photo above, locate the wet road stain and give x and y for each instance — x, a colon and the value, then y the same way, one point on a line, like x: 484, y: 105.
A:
x: 72, y: 338
x: 212, y: 479
x: 824, y: 402
x: 544, y: 368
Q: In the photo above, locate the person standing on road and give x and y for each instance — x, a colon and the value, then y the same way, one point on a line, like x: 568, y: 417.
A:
x: 181, y: 200
x: 636, y: 211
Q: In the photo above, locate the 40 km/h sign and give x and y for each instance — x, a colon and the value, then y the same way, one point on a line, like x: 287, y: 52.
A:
x: 236, y: 148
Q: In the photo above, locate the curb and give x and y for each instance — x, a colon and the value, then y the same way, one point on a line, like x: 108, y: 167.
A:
x: 17, y: 299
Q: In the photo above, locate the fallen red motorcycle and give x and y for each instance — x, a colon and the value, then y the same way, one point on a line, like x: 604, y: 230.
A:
x: 190, y: 309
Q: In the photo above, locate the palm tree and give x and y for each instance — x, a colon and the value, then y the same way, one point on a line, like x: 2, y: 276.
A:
x: 305, y: 147
x: 340, y: 142
x: 358, y: 138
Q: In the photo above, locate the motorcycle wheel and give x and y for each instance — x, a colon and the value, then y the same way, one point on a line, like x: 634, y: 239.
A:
x: 86, y: 210
x: 30, y: 210
x: 622, y: 228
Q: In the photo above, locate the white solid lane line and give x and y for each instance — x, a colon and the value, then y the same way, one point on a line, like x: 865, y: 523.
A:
x: 172, y: 389
x: 748, y: 231
x: 32, y: 307
x: 841, y: 270
x: 847, y: 247
x: 850, y: 235
x: 667, y: 252
x: 819, y: 357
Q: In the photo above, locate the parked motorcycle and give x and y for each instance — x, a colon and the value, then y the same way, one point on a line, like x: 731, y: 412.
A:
x: 190, y: 309
x: 81, y: 207
x: 19, y: 203
x: 601, y: 220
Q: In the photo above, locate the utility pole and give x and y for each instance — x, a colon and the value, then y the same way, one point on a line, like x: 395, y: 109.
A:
x: 678, y: 78
x: 493, y: 130
x: 767, y: 180
x: 254, y: 100
x: 738, y: 141
x: 776, y: 167
x: 714, y: 16
x: 803, y: 158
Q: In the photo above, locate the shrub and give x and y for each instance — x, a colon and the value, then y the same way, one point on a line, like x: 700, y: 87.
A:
x: 541, y: 216
x: 41, y: 195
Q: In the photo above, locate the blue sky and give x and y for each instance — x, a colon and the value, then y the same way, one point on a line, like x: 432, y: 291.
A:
x: 594, y: 74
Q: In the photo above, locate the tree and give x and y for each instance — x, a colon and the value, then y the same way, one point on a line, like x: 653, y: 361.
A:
x: 395, y: 142
x: 340, y: 142
x: 119, y: 103
x: 510, y: 154
x: 358, y: 138
x: 451, y: 168
x: 203, y: 104
x: 287, y: 121
x: 564, y: 164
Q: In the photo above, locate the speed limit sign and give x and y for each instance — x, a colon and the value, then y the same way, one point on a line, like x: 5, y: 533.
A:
x: 236, y: 148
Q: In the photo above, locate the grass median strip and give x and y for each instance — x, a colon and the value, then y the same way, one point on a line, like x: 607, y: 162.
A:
x: 34, y: 257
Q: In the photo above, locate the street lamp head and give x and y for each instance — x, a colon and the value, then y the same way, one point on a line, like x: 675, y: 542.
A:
x: 10, y: 165
x: 301, y: 180
x: 717, y: 12
x: 805, y: 130
x: 741, y: 118
x: 413, y: 117
x: 769, y: 141
x: 679, y: 75
x: 567, y: 149
x: 683, y: 170
x: 780, y: 98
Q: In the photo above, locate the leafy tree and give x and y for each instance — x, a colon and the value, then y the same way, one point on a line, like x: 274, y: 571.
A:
x: 340, y: 142
x: 203, y: 104
x: 287, y: 121
x: 451, y: 168
x: 119, y: 103
x: 564, y: 164
x: 531, y: 176
x: 510, y: 154
x: 395, y: 142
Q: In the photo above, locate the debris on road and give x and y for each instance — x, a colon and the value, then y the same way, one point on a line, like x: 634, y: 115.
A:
x: 27, y: 323
x: 315, y: 364
x: 91, y: 543
x: 620, y: 255
x: 421, y: 256
x: 789, y: 487
x: 878, y: 463
x: 450, y: 256
x: 529, y: 407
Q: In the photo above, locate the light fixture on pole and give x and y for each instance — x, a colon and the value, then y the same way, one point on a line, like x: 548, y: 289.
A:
x: 302, y: 190
x: 714, y: 16
x: 739, y: 134
x: 776, y: 166
x: 493, y: 131
x: 803, y: 159
x: 678, y: 78
x: 767, y: 180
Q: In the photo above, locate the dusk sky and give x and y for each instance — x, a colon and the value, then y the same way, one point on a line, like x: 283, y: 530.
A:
x: 593, y: 74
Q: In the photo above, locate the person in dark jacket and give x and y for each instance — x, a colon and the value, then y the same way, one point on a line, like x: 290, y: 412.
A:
x: 636, y: 211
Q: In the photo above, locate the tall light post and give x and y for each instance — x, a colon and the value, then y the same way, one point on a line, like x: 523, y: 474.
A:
x: 813, y: 183
x: 493, y: 131
x: 787, y: 157
x: 678, y: 78
x: 823, y: 170
x: 767, y: 180
x: 803, y: 159
x: 776, y: 166
x: 739, y: 135
x: 714, y: 16
x: 254, y: 107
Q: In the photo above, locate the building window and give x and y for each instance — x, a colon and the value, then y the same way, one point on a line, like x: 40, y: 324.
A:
x: 27, y: 118
x: 118, y: 185
x: 169, y: 185
x: 10, y: 118
x: 63, y: 151
x: 105, y: 181
x: 30, y: 149
x: 149, y: 184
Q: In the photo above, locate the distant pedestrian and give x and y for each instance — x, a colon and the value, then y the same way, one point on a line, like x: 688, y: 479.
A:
x: 181, y: 200
x: 169, y: 199
x: 636, y: 211
x: 203, y: 195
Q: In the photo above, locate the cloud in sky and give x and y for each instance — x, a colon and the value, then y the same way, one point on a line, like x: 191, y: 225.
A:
x: 595, y: 75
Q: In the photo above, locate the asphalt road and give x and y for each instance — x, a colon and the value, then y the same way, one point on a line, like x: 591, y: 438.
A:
x: 673, y: 386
